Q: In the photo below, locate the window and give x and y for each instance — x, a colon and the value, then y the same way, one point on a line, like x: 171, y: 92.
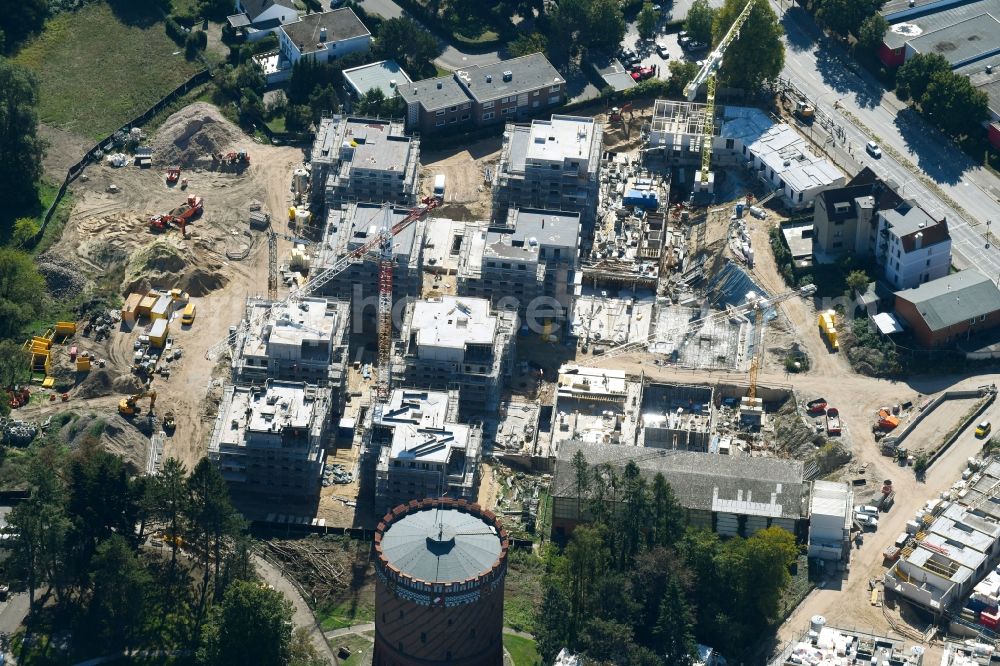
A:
x: 928, y: 263
x: 509, y: 110
x: 465, y: 116
x: 487, y: 105
x: 554, y: 88
x: 536, y: 93
x: 535, y: 104
x: 439, y: 123
x: 453, y: 120
x: 439, y: 113
x: 554, y: 99
x: 466, y: 106
x: 454, y: 108
x: 982, y: 317
x: 488, y: 116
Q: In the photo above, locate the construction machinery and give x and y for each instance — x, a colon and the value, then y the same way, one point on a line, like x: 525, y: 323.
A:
x: 828, y: 328
x: 804, y: 110
x: 832, y: 421
x: 18, y: 396
x: 617, y: 115
x: 179, y: 216
x: 232, y: 158
x: 382, y: 240
x: 130, y: 406
x: 169, y: 423
x: 707, y: 76
x: 173, y: 174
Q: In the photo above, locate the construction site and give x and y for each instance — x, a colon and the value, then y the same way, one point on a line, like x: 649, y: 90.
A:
x: 363, y: 323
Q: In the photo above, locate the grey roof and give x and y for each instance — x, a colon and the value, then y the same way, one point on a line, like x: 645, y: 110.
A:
x: 909, y: 25
x: 418, y: 544
x: 377, y: 75
x: 954, y: 298
x: 254, y: 8
x: 340, y: 24
x: 238, y: 20
x: 967, y: 41
x: 435, y: 94
x: 699, y: 480
x: 988, y: 82
x: 908, y: 219
x: 367, y: 220
x: 528, y: 72
x: 547, y: 227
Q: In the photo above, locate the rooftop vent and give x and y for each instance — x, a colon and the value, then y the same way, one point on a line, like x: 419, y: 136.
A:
x: 392, y: 83
x: 322, y: 35
x: 439, y: 86
x: 489, y: 78
x: 508, y: 75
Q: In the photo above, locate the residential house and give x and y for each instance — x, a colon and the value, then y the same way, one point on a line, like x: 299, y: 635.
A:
x: 323, y: 37
x: 950, y: 309
x: 482, y: 95
x: 845, y: 218
x: 913, y: 247
x: 259, y: 18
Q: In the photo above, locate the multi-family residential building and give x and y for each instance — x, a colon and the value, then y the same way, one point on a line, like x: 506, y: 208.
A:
x: 424, y: 452
x: 270, y: 439
x: 258, y: 18
x: 504, y: 91
x: 302, y: 341
x: 323, y: 37
x: 457, y: 343
x: 912, y: 247
x: 361, y: 159
x: 845, y: 219
x: 536, y: 254
x: 351, y: 227
x: 550, y: 165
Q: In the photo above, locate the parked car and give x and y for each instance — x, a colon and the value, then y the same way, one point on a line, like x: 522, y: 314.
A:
x: 983, y: 429
x: 695, y: 46
x: 662, y: 51
x: 868, y: 509
x: 872, y: 148
x: 867, y: 522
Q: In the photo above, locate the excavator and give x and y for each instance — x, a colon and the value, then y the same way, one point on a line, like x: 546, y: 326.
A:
x: 178, y: 216
x: 129, y: 407
x: 173, y: 173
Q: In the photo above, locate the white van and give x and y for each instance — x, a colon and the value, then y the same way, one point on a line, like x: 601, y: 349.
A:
x: 439, y: 186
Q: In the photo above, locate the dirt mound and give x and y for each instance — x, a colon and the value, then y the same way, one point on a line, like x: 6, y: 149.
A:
x: 200, y: 282
x: 97, y: 384
x: 127, y: 384
x: 162, y: 265
x: 63, y: 277
x: 193, y: 134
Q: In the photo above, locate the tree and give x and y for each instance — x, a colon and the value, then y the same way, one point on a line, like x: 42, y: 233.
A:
x: 857, y: 281
x: 298, y: 118
x: 120, y: 585
x: 169, y: 499
x: 699, y: 21
x: 303, y: 651
x: 307, y: 75
x: 21, y: 287
x: 673, y: 633
x: 682, y: 72
x: 21, y: 18
x: 323, y: 100
x: 586, y: 554
x: 757, y: 55
x: 581, y: 473
x: 605, y: 26
x: 21, y: 166
x: 526, y: 44
x: 25, y: 230
x: 647, y: 20
x: 217, y: 10
x: 954, y: 105
x: 14, y: 363
x: 551, y: 626
x: 667, y: 514
x: 404, y: 41
x: 872, y: 32
x: 759, y: 572
x: 916, y: 73
x: 628, y: 532
x: 845, y: 17
x: 211, y: 518
x: 251, y: 626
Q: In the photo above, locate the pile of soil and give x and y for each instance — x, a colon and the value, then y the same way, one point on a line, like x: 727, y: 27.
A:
x: 163, y: 265
x: 114, y: 434
x: 98, y: 383
x: 193, y: 134
x: 63, y: 277
x: 127, y: 384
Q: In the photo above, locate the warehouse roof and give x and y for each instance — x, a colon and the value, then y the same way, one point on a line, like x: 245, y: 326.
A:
x: 916, y: 23
x: 964, y: 42
x: 954, y: 298
x: 704, y: 481
x: 440, y: 545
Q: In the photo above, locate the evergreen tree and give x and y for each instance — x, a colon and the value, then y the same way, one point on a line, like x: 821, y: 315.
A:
x: 551, y: 626
x: 673, y: 634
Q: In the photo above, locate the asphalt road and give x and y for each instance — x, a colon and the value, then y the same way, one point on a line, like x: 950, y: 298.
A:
x: 866, y: 111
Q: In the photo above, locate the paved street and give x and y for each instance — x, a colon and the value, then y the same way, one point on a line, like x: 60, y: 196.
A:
x: 866, y: 111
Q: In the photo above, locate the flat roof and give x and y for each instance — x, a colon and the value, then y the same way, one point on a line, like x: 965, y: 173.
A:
x: 421, y: 431
x: 577, y: 380
x: 830, y: 498
x: 340, y: 24
x: 306, y: 324
x: 546, y: 227
x: 908, y: 219
x: 915, y: 23
x: 953, y: 298
x: 439, y: 545
x: 280, y: 406
x: 770, y: 487
x: 436, y: 93
x: 385, y: 75
x: 615, y: 75
x: 375, y: 146
x: 238, y: 20
x: 786, y: 153
x: 963, y: 42
x: 743, y: 123
x: 988, y: 82
x: 350, y: 228
x: 509, y: 77
x: 454, y: 322
x: 561, y: 138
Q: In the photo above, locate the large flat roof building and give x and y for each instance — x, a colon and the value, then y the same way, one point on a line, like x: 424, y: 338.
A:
x: 427, y: 453
x: 271, y: 439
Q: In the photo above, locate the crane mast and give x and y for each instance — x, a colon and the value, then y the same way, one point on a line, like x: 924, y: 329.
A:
x: 385, y: 267
x: 707, y: 76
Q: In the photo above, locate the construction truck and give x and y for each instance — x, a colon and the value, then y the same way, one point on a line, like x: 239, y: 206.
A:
x: 178, y: 216
x: 233, y: 158
x: 169, y: 423
x: 173, y: 173
x: 828, y: 328
x: 832, y: 421
x: 804, y: 111
x: 129, y: 406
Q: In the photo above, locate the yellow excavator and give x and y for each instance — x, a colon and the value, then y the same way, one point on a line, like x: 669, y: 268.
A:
x: 128, y: 407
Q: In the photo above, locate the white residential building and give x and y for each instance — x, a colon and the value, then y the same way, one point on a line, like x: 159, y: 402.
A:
x: 323, y: 37
x: 259, y: 18
x: 423, y: 451
x: 912, y: 247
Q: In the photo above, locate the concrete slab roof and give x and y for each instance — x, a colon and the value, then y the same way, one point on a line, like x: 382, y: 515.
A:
x: 385, y: 75
x: 453, y: 322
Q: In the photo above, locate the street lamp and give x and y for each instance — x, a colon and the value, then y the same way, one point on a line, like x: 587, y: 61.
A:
x: 988, y: 233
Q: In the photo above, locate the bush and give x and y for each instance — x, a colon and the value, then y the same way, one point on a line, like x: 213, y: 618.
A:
x: 176, y: 31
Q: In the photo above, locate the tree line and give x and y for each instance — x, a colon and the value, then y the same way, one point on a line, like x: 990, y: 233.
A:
x: 83, y: 555
x: 638, y: 585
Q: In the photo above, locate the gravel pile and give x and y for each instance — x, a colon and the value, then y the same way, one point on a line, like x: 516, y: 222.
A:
x: 193, y: 134
x: 63, y: 278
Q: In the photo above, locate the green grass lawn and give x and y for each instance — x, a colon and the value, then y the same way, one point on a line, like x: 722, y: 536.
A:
x: 522, y: 591
x: 346, y: 613
x: 522, y: 650
x: 97, y: 72
x: 358, y: 644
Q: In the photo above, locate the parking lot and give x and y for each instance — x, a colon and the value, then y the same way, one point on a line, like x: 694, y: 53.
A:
x: 646, y: 49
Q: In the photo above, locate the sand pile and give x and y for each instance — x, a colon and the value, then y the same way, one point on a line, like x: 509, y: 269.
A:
x: 193, y: 134
x: 97, y: 383
x: 127, y: 385
x: 163, y: 265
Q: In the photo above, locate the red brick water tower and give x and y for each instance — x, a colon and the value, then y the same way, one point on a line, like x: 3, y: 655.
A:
x: 440, y: 571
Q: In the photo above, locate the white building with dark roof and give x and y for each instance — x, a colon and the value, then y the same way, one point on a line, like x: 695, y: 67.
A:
x: 324, y: 37
x: 258, y: 18
x: 912, y: 247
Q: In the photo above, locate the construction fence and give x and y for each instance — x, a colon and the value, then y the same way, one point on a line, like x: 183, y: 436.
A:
x: 104, y: 144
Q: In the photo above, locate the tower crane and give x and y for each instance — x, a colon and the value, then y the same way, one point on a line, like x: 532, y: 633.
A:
x: 381, y: 241
x: 707, y: 76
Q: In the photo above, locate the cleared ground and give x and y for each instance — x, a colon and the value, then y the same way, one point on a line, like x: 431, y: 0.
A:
x: 98, y: 68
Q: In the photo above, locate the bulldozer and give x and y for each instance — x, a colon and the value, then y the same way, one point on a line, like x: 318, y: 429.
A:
x: 129, y: 406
